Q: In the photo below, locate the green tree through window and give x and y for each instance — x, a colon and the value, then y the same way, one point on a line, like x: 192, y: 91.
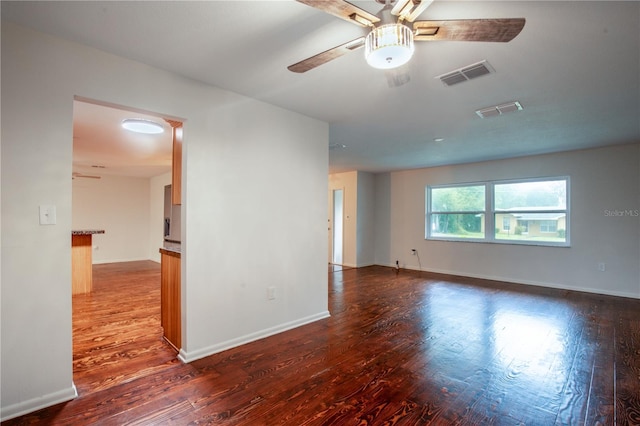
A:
x: 458, y: 210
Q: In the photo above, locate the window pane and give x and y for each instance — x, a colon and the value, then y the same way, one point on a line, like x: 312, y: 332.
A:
x: 532, y: 228
x: 547, y: 195
x: 458, y: 199
x: 469, y: 225
x: 548, y: 226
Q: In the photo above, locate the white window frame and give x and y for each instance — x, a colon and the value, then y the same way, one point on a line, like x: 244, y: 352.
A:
x: 473, y: 212
x: 490, y: 213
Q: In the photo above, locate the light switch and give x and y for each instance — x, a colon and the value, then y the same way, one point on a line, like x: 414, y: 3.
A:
x: 47, y: 215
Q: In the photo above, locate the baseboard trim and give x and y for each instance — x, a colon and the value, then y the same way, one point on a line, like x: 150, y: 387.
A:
x: 523, y: 282
x: 352, y: 265
x: 187, y: 357
x: 26, y: 407
x: 103, y: 261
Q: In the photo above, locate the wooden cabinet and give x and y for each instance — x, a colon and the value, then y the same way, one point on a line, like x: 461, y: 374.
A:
x: 170, y: 312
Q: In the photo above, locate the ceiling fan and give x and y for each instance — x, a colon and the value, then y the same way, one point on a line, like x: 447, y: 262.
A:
x: 82, y: 175
x: 389, y: 42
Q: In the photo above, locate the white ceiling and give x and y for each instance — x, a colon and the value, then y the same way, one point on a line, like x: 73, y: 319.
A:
x: 575, y: 68
x: 101, y: 146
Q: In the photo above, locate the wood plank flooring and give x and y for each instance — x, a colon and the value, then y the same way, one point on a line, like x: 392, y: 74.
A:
x: 405, y: 348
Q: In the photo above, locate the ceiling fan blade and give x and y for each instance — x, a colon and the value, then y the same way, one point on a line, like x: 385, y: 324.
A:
x: 344, y: 10
x: 326, y: 56
x: 409, y: 10
x: 80, y: 175
x: 495, y: 30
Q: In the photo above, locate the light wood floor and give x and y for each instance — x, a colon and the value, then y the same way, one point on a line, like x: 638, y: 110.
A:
x: 399, y: 348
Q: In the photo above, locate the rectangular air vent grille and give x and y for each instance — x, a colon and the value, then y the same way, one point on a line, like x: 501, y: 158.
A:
x: 467, y: 73
x: 499, y: 109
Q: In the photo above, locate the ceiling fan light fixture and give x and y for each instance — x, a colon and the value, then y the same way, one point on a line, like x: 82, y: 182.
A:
x: 140, y: 125
x: 360, y: 20
x: 401, y: 5
x: 389, y: 46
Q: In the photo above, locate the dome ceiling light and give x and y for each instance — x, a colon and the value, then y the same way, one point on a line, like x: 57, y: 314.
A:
x: 141, y: 125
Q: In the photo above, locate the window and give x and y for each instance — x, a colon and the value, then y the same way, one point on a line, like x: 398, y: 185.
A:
x: 531, y: 211
x: 539, y: 208
x: 457, y: 211
x: 548, y: 226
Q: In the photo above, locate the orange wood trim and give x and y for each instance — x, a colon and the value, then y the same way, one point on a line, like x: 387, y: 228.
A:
x: 170, y: 312
x: 176, y: 166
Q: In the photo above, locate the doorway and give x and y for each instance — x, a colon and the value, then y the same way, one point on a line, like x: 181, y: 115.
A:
x: 118, y: 186
x: 119, y: 177
x: 336, y: 227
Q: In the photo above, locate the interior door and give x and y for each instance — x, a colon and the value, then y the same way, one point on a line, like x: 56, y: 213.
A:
x: 336, y: 226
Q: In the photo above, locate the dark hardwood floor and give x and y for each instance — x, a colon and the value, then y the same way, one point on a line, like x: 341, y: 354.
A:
x: 399, y: 348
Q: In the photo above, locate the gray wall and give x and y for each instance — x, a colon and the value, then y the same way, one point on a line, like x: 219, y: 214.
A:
x: 366, y: 219
x: 601, y: 180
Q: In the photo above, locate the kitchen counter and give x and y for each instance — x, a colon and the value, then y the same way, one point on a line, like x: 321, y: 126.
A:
x: 88, y: 232
x: 171, y: 251
x: 81, y: 260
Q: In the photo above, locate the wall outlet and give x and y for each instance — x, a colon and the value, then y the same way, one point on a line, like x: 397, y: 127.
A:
x: 602, y: 267
x: 271, y: 293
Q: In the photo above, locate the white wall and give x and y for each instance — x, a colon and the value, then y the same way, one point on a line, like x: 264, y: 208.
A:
x: 254, y: 203
x: 255, y: 218
x: 119, y: 205
x: 366, y: 230
x: 156, y: 214
x: 129, y: 209
x: 601, y: 179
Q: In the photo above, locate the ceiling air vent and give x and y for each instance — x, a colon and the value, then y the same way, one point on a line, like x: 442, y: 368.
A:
x: 467, y: 73
x: 499, y: 110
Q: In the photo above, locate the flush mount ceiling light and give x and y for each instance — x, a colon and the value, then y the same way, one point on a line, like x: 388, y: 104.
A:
x: 140, y: 125
x: 389, y: 46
